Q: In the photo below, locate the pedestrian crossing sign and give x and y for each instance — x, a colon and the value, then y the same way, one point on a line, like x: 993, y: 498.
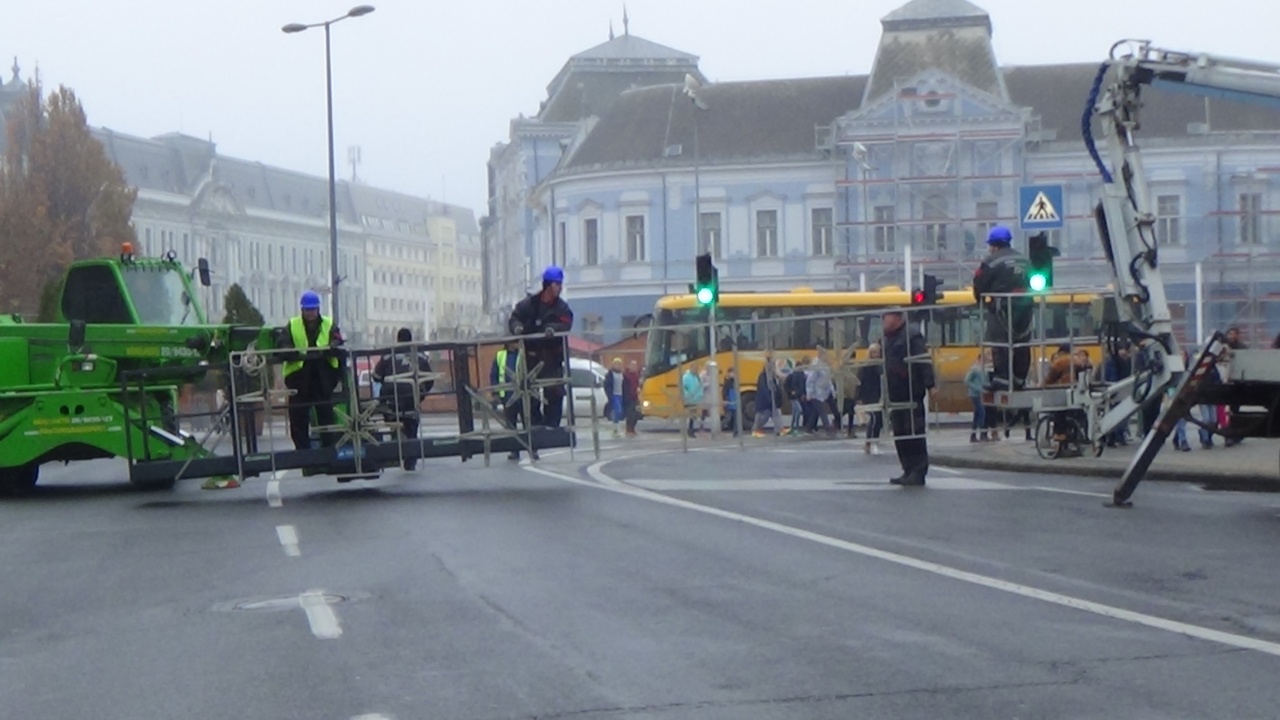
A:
x: 1040, y: 207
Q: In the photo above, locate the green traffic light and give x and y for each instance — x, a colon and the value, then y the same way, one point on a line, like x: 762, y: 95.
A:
x: 1039, y: 281
x: 704, y: 295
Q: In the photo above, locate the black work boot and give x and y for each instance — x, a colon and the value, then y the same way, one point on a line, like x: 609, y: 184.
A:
x: 912, y: 480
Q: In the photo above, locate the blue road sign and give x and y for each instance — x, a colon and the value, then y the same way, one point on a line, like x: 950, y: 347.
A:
x: 1040, y: 207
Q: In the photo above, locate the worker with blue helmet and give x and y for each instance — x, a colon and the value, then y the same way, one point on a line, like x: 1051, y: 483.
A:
x: 312, y: 374
x: 1005, y: 272
x: 545, y: 314
x: 999, y: 234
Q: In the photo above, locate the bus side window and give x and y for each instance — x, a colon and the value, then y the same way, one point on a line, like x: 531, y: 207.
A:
x: 959, y: 326
x: 864, y: 331
x: 935, y: 330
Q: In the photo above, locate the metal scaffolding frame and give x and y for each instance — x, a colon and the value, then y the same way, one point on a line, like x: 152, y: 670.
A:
x: 932, y: 212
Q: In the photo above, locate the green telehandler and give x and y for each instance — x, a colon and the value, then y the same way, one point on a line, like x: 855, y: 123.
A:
x: 103, y: 381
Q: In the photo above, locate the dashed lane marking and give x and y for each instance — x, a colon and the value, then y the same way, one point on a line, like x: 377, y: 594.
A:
x: 323, y: 620
x: 289, y: 540
x: 273, y: 494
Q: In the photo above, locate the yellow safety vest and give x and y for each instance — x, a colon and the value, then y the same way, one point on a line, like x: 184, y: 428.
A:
x: 298, y: 332
x: 501, y: 359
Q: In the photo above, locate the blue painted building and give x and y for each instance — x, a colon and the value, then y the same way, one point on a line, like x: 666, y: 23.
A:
x: 823, y: 182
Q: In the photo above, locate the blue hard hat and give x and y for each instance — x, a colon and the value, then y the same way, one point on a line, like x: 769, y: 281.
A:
x: 553, y: 274
x: 999, y: 234
x: 310, y: 301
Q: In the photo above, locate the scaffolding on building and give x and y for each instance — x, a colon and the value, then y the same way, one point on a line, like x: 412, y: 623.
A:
x: 936, y: 189
x: 909, y: 180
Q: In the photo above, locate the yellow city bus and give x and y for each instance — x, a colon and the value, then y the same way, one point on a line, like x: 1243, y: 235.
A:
x: 801, y: 320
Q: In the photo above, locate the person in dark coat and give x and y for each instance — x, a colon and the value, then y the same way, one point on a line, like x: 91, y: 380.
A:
x: 768, y: 400
x: 631, y: 396
x: 1005, y: 271
x: 402, y: 394
x: 907, y: 381
x: 869, y: 391
x: 545, y: 313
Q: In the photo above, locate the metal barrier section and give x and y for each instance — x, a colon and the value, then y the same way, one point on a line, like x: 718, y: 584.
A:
x: 527, y: 391
x: 1068, y: 415
x: 353, y: 433
x: 842, y: 360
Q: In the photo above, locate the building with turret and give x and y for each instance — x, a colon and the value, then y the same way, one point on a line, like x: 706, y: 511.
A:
x: 824, y: 182
x: 584, y: 90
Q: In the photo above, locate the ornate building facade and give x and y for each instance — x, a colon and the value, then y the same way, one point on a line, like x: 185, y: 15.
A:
x: 822, y: 182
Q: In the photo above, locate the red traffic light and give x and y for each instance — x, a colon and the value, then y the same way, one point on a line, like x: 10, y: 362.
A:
x: 917, y: 298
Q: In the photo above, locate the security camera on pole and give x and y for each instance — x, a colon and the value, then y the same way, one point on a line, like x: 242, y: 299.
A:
x: 693, y: 89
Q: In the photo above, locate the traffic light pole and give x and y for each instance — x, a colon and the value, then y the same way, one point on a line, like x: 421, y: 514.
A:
x: 713, y: 367
x: 713, y: 372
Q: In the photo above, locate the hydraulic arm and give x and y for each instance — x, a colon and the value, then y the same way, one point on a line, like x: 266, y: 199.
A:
x: 1126, y: 221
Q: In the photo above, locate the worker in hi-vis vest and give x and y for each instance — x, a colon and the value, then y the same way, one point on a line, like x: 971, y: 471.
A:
x: 504, y: 370
x: 311, y: 375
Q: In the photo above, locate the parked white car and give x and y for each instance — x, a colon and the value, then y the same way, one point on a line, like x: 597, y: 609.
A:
x: 586, y: 378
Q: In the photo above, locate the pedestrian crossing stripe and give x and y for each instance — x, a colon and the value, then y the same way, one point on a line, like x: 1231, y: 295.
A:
x: 1041, y: 210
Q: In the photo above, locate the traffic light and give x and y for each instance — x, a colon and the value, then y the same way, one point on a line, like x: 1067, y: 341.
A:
x: 932, y: 296
x: 1041, y: 256
x: 928, y: 293
x: 707, y: 285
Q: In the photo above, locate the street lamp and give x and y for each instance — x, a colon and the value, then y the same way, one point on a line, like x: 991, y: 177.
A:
x: 356, y: 11
x: 693, y: 89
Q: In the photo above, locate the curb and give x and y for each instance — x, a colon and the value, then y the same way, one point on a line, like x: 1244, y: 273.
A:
x: 1245, y: 481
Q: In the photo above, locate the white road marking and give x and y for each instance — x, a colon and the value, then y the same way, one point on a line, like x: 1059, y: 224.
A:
x: 374, y: 716
x: 940, y: 468
x: 323, y: 620
x: 289, y: 539
x: 273, y: 494
x: 604, y: 482
x: 1065, y: 491
x: 804, y: 484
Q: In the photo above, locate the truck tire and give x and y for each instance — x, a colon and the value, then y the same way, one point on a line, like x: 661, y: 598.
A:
x: 748, y: 410
x: 19, y: 480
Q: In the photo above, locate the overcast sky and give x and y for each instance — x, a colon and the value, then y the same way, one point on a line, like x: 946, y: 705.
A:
x: 426, y: 87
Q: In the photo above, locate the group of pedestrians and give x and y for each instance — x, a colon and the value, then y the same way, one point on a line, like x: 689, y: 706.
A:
x: 905, y: 373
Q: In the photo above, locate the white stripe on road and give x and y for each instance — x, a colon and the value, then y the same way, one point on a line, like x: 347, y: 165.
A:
x: 1065, y: 491
x: 289, y: 539
x: 323, y: 620
x: 805, y: 484
x: 604, y: 482
x: 374, y: 716
x: 273, y: 494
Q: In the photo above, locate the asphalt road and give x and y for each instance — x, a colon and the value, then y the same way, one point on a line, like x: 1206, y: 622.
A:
x: 661, y: 585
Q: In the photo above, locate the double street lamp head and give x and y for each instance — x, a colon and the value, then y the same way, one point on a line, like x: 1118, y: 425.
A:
x: 356, y: 11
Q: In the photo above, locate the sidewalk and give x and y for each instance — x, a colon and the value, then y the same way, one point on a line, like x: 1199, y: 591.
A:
x: 1254, y: 463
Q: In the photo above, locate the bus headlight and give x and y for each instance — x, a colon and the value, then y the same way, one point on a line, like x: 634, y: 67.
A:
x: 646, y: 404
